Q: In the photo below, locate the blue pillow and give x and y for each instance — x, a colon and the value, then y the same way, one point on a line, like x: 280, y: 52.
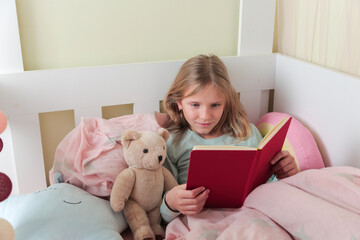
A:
x: 62, y: 211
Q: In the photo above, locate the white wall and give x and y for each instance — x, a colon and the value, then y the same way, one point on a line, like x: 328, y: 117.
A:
x: 10, y: 48
x: 256, y: 27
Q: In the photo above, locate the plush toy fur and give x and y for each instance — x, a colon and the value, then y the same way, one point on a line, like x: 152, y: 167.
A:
x: 139, y: 189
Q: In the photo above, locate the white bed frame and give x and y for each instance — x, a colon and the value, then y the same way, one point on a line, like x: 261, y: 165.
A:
x: 323, y: 100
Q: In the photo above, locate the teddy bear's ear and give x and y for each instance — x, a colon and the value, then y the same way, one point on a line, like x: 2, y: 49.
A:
x: 128, y: 136
x: 164, y: 133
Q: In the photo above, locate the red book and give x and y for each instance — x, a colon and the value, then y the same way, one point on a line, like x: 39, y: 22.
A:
x: 232, y: 172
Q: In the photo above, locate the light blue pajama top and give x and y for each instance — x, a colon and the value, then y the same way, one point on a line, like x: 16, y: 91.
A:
x: 178, y: 156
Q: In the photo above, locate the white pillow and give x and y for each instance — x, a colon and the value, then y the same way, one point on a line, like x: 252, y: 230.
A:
x: 62, y: 211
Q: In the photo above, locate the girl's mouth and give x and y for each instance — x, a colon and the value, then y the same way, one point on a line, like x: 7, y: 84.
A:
x: 204, y: 124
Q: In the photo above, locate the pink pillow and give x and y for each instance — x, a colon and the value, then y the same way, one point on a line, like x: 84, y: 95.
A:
x: 299, y: 141
x: 91, y: 155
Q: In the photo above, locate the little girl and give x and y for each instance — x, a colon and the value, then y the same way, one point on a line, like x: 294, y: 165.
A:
x: 204, y: 109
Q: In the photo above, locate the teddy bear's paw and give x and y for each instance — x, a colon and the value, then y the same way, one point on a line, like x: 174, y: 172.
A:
x: 144, y: 232
x: 158, y: 230
x: 118, y: 205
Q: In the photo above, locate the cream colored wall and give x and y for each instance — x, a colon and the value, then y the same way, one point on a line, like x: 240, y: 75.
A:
x: 320, y: 31
x: 76, y: 33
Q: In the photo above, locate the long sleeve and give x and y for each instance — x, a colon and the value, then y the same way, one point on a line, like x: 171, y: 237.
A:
x: 166, y: 213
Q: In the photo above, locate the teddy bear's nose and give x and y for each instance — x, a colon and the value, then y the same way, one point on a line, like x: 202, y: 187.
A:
x: 160, y: 158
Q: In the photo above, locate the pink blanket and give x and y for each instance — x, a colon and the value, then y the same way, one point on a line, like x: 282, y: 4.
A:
x: 314, y: 204
x: 90, y: 156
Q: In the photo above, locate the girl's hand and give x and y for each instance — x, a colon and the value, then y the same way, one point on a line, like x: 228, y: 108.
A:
x: 284, y: 165
x: 188, y: 202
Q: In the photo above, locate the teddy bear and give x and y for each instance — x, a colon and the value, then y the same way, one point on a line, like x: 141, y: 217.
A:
x: 138, y: 189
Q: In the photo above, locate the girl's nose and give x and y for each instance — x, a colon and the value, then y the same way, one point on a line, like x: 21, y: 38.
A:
x: 205, y: 113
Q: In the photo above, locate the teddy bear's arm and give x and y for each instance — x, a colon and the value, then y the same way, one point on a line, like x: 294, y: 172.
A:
x: 169, y: 180
x: 122, y: 189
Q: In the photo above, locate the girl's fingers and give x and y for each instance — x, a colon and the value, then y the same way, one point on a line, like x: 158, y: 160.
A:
x: 286, y: 169
x: 188, y: 194
x: 280, y: 155
x: 190, y: 206
x: 283, y: 166
x: 195, y: 192
x: 199, y: 199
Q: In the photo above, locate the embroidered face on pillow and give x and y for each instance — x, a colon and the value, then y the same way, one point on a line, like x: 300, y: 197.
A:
x: 299, y: 140
x: 62, y: 211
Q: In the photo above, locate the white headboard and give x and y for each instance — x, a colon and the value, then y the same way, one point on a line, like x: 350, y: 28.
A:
x: 326, y: 102
x: 86, y: 90
x: 323, y: 100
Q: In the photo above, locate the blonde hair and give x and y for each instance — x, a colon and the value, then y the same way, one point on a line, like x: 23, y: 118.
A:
x: 199, y: 72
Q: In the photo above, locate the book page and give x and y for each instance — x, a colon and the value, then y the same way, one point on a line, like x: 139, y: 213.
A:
x: 222, y: 147
x: 272, y: 132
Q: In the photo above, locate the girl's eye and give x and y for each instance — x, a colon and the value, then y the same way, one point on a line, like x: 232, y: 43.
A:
x: 194, y: 105
x: 145, y: 150
x: 215, y: 105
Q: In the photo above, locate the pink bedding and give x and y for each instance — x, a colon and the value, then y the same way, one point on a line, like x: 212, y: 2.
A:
x: 314, y: 204
x: 90, y: 156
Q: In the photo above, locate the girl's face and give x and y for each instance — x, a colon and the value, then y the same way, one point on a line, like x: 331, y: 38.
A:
x: 203, y: 110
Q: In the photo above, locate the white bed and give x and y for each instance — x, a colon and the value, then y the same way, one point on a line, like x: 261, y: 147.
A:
x: 322, y: 99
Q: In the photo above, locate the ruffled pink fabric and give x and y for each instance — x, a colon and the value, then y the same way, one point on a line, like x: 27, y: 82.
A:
x: 91, y: 155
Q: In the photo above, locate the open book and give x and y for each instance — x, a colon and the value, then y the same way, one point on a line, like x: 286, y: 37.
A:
x: 232, y: 172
